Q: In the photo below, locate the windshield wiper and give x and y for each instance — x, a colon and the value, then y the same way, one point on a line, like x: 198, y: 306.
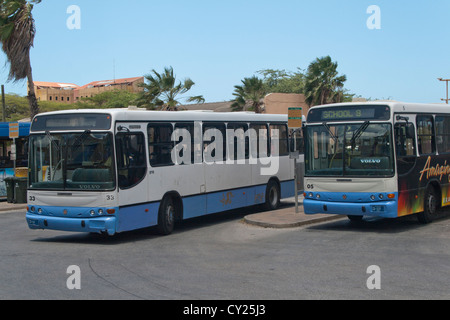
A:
x: 332, y: 135
x: 79, y: 141
x: 359, y: 132
x: 52, y: 141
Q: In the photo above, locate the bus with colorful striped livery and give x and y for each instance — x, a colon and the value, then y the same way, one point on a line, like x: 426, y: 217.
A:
x: 384, y: 159
x: 111, y: 171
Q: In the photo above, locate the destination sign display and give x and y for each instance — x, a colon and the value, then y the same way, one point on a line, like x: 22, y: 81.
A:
x: 349, y: 113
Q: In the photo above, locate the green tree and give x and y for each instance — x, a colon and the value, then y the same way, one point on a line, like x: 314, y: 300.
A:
x: 17, y: 31
x: 323, y: 84
x: 281, y: 81
x: 17, y: 107
x: 250, y: 95
x: 162, y: 92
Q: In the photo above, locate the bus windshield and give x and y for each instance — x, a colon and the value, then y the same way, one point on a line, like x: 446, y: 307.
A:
x: 361, y: 149
x: 72, y: 161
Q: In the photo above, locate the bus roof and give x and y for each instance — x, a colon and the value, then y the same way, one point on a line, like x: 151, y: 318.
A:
x: 397, y: 106
x: 146, y: 115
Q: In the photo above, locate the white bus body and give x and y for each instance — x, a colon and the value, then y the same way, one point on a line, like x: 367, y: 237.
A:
x: 134, y: 182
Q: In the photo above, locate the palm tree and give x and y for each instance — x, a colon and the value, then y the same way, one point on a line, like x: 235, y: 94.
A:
x: 162, y: 93
x: 323, y: 84
x: 250, y: 95
x: 17, y: 31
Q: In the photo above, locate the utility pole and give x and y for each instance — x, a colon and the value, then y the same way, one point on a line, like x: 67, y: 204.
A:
x: 446, y: 80
x: 3, y: 103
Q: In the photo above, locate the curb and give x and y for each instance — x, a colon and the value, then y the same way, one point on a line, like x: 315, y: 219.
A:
x: 286, y: 217
x: 4, y: 207
x: 251, y: 220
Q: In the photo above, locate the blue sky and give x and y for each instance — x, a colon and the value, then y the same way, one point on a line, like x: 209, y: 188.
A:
x: 218, y: 43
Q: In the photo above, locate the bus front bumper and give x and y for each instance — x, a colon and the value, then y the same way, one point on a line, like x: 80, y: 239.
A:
x: 91, y: 225
x: 384, y: 209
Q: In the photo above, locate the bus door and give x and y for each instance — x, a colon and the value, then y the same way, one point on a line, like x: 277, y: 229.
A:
x: 406, y: 155
x: 131, y: 161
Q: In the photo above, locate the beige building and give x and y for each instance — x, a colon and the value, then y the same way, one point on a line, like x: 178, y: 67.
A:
x: 274, y: 103
x: 70, y: 93
x: 279, y: 103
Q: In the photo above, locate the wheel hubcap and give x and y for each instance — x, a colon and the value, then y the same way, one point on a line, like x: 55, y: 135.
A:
x: 170, y: 214
x: 273, y: 197
x: 432, y: 205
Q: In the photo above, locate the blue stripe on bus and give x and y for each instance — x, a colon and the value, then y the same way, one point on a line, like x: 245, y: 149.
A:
x: 128, y: 218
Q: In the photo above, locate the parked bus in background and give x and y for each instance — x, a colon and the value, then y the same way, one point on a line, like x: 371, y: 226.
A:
x: 110, y: 171
x: 7, y: 160
x: 384, y: 159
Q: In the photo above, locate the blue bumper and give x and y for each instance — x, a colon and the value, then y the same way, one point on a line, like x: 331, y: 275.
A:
x: 352, y: 207
x: 94, y: 225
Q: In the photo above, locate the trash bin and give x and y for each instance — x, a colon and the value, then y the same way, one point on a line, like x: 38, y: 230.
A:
x: 9, y: 189
x: 20, y: 190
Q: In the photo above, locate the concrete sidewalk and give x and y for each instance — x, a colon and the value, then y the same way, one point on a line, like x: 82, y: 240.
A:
x: 5, y: 206
x: 286, y: 217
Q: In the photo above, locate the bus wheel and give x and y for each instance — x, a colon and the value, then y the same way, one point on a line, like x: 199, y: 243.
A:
x: 166, y: 216
x: 272, y: 195
x: 430, y: 207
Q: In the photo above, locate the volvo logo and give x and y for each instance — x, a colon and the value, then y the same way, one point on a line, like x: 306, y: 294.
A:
x: 371, y: 161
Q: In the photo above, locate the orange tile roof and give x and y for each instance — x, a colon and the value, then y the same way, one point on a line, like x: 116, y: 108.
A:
x: 58, y: 85
x: 111, y: 82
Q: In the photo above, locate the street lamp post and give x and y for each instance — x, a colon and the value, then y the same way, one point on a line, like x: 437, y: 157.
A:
x: 446, y: 80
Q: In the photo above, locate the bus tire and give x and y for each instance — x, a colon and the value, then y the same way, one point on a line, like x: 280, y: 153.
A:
x: 166, y: 216
x: 430, y: 207
x: 273, y: 195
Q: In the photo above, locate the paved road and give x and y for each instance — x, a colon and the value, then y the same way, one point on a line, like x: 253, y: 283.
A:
x: 220, y: 257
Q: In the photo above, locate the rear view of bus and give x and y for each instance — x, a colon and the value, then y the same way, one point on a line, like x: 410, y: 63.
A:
x: 350, y: 161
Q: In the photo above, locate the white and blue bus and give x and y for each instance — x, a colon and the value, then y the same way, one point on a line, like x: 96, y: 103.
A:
x: 384, y: 159
x: 111, y: 171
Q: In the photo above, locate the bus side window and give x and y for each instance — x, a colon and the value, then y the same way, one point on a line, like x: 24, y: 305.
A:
x: 238, y: 141
x: 296, y: 141
x: 160, y: 144
x: 443, y: 134
x: 425, y: 135
x: 131, y: 159
x: 282, y: 137
x: 259, y: 140
x: 219, y: 152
